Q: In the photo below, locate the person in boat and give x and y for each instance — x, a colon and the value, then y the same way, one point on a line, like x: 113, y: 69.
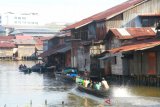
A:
x: 90, y: 85
x: 78, y: 80
x: 105, y: 85
x: 20, y: 66
x: 86, y: 82
x: 24, y: 66
x: 86, y: 73
x: 98, y: 86
x: 94, y: 85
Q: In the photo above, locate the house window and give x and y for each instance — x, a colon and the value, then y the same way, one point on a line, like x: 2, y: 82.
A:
x: 145, y: 22
x: 76, y: 35
x: 23, y: 18
x: 84, y: 35
x: 149, y: 21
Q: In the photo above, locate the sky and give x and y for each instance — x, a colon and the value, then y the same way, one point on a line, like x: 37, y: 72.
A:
x: 65, y: 11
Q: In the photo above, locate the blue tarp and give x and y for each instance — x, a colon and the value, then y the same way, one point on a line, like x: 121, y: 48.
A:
x: 70, y: 70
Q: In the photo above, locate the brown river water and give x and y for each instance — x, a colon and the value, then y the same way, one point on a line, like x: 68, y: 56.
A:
x: 45, y: 90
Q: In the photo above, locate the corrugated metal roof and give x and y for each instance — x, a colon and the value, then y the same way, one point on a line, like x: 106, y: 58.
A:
x: 129, y: 33
x: 25, y: 42
x: 107, y: 14
x: 7, y: 45
x: 123, y: 32
x: 24, y: 37
x: 6, y: 38
x: 58, y: 49
x: 36, y: 31
x: 136, y: 46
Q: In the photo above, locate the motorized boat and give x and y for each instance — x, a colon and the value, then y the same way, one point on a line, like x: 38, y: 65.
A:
x: 68, y: 74
x: 98, y: 93
x: 65, y: 77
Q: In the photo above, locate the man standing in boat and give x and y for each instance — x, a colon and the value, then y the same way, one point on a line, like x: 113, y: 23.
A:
x: 86, y: 73
x: 104, y: 84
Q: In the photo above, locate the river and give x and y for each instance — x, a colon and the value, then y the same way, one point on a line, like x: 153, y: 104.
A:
x: 44, y: 90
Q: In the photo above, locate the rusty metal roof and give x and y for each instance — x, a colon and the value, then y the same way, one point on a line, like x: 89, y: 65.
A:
x: 129, y: 33
x: 107, y: 14
x: 6, y: 38
x: 24, y: 37
x: 143, y: 45
x: 25, y: 42
x: 7, y: 45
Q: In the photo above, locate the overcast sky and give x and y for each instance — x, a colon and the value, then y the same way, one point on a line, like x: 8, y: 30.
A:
x: 58, y: 10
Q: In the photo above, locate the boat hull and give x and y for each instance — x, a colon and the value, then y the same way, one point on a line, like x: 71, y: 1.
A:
x: 26, y: 70
x: 98, y: 93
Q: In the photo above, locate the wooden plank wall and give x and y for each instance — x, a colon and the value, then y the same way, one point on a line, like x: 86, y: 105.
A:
x: 144, y: 63
x: 130, y: 17
x: 158, y: 63
x: 137, y: 63
x: 117, y: 68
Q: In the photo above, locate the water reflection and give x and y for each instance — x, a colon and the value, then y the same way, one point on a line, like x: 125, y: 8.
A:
x: 17, y: 88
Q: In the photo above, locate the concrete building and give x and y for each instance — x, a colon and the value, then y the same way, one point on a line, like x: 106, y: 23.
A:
x: 26, y: 47
x: 24, y: 19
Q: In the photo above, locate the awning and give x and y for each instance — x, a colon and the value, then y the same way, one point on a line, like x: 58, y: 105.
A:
x: 136, y: 46
x: 104, y: 57
x: 63, y: 50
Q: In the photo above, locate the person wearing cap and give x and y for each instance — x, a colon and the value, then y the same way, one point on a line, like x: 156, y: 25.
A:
x: 104, y: 84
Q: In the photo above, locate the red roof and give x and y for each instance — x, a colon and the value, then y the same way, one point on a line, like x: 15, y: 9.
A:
x: 24, y: 37
x: 136, y: 46
x: 7, y: 45
x: 6, y: 38
x: 129, y: 33
x: 107, y: 14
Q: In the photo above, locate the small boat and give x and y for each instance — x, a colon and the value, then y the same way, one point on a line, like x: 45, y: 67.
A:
x: 69, y: 78
x: 98, y: 93
x: 38, y: 68
x: 25, y: 69
x: 67, y: 74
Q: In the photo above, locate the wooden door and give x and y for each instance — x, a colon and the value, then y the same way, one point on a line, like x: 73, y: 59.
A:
x: 151, y: 63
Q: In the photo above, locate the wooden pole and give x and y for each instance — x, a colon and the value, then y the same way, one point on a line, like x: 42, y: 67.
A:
x: 31, y: 103
x: 45, y: 102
